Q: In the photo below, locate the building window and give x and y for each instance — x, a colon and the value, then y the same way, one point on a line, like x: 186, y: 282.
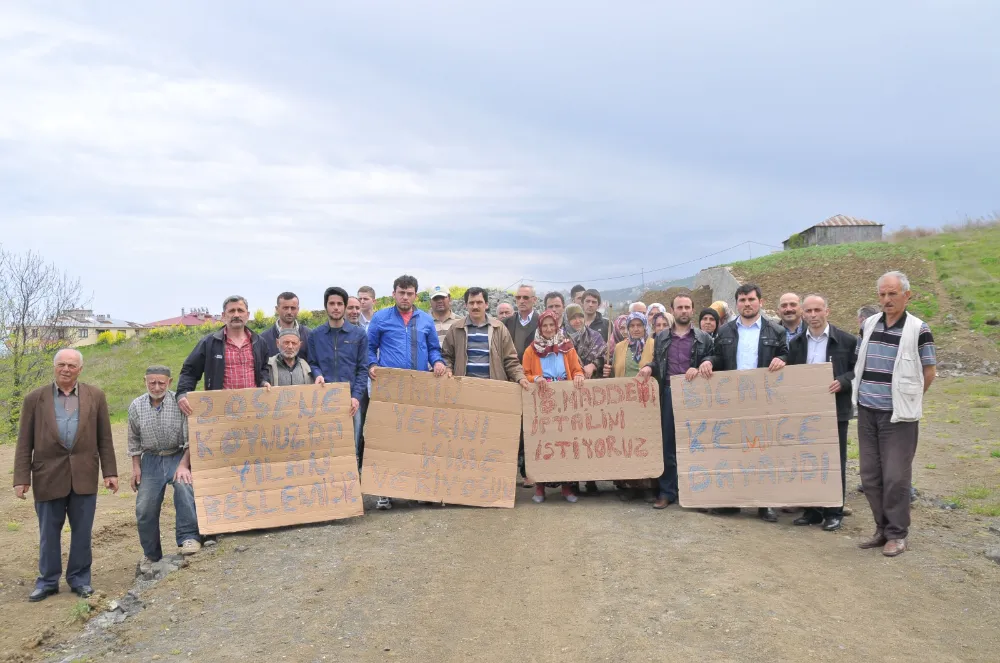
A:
x: 83, y: 333
x: 34, y: 333
x: 62, y: 334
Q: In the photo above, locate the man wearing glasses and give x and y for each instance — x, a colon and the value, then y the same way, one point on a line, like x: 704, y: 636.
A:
x: 522, y: 325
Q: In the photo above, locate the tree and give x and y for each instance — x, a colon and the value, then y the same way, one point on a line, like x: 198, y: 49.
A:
x: 33, y: 294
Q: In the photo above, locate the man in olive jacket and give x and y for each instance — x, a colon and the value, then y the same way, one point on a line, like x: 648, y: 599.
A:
x: 491, y: 352
x: 64, y: 439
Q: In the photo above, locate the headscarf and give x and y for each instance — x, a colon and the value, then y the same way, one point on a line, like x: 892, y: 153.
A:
x: 653, y: 308
x: 618, y: 330
x: 558, y: 343
x: 652, y: 322
x: 589, y: 343
x: 712, y: 312
x: 636, y: 345
x: 722, y: 310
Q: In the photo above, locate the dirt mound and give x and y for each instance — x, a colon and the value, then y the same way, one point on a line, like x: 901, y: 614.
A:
x: 701, y: 297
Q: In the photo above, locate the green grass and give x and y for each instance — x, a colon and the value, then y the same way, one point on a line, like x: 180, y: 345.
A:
x: 852, y: 449
x: 995, y: 453
x: 119, y: 370
x: 930, y: 466
x: 13, y: 526
x: 976, y: 492
x: 813, y: 254
x: 968, y: 267
x: 80, y: 611
x: 992, y: 510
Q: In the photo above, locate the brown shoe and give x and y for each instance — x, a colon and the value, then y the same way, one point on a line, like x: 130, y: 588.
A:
x: 894, y: 547
x: 661, y: 503
x: 876, y: 541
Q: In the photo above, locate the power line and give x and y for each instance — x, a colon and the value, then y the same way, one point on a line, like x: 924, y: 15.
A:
x: 642, y: 272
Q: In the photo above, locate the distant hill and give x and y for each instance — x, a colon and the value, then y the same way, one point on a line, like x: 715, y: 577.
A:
x: 635, y: 293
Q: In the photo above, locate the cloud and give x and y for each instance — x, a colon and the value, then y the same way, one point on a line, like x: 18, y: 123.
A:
x: 221, y: 148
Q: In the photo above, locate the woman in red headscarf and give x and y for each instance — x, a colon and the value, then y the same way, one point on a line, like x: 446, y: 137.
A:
x: 552, y: 358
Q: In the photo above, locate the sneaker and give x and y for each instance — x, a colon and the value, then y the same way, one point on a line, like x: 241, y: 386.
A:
x: 383, y: 504
x: 539, y: 495
x: 190, y: 547
x: 567, y: 492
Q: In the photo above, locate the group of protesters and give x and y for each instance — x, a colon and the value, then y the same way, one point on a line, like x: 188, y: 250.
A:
x: 880, y: 373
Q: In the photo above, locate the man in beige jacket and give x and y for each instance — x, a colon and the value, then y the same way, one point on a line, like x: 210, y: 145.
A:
x: 480, y: 346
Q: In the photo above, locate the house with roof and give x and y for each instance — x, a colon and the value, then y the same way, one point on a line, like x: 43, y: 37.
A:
x: 188, y: 318
x: 79, y: 327
x: 839, y: 229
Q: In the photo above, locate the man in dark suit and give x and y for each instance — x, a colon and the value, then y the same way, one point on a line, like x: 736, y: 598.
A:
x: 286, y: 313
x: 821, y: 343
x: 64, y: 438
x: 522, y: 325
x: 750, y: 341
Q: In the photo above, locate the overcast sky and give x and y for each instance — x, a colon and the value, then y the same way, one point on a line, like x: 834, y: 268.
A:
x: 173, y: 153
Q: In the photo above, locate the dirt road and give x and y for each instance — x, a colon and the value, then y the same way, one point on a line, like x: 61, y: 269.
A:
x: 595, y: 581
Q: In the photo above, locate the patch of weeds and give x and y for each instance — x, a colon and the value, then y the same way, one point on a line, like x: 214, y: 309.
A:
x: 980, y: 403
x: 995, y: 453
x: 930, y: 466
x: 963, y: 456
x: 125, y: 496
x: 976, y: 492
x: 944, y: 436
x: 952, y: 420
x: 977, y: 447
x: 852, y: 450
x: 80, y: 611
x: 13, y: 525
x: 103, y: 491
x: 992, y: 510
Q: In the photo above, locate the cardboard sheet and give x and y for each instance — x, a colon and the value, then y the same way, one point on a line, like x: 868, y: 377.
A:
x: 262, y: 459
x: 756, y: 438
x: 607, y: 429
x: 451, y: 440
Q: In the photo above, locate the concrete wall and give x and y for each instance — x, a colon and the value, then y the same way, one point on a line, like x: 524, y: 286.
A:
x: 721, y: 281
x: 826, y: 235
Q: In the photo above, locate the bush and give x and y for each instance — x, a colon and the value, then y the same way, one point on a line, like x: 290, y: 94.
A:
x: 107, y: 338
x: 305, y: 318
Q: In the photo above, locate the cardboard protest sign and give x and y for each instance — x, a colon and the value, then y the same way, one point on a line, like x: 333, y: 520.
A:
x: 267, y: 459
x: 756, y: 438
x: 451, y: 440
x: 607, y: 429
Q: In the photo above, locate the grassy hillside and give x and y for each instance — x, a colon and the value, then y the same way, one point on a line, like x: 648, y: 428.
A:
x: 954, y: 275
x: 845, y: 274
x: 968, y: 269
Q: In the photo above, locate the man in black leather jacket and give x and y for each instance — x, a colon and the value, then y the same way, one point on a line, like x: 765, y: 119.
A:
x: 750, y: 341
x: 680, y: 362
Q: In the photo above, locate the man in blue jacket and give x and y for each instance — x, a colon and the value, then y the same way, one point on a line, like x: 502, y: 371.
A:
x: 403, y: 337
x: 338, y: 352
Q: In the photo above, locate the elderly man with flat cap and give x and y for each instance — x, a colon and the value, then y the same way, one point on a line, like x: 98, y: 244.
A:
x: 287, y: 368
x: 63, y: 442
x: 158, y: 446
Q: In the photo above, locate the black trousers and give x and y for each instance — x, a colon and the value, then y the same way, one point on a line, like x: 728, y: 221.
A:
x: 365, y: 400
x: 837, y: 511
x: 52, y: 516
x: 668, y: 481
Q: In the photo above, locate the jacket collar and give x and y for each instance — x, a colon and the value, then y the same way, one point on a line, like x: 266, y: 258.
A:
x: 491, y: 321
x: 221, y: 335
x: 325, y: 327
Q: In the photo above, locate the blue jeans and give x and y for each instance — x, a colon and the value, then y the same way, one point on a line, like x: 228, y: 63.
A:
x: 157, y: 472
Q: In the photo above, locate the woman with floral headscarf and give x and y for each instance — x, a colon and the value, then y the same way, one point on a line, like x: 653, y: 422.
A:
x: 551, y: 357
x: 631, y: 354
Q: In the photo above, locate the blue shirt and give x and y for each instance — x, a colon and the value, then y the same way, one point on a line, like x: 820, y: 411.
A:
x: 340, y: 354
x: 748, y: 345
x: 789, y: 335
x: 393, y: 344
x: 553, y: 366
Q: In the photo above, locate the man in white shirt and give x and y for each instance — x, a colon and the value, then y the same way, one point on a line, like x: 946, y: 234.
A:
x: 821, y: 343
